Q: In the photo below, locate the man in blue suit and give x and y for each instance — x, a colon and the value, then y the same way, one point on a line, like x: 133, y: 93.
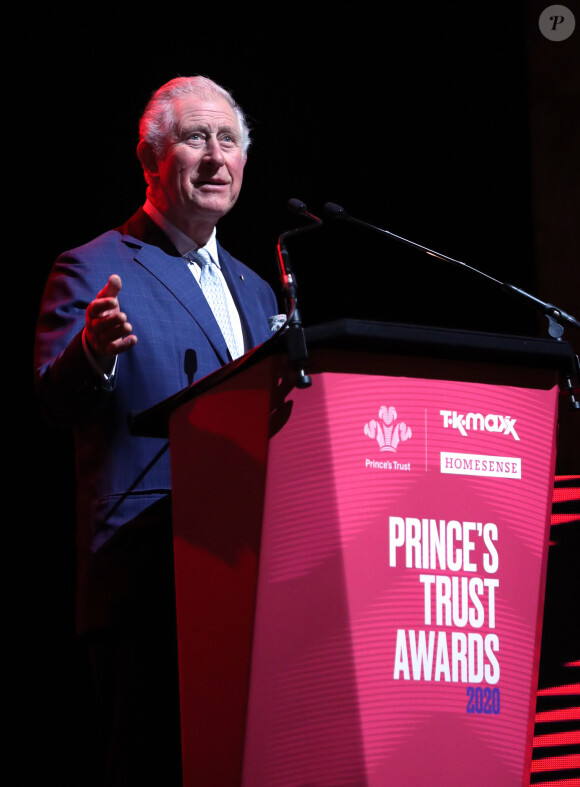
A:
x: 124, y: 324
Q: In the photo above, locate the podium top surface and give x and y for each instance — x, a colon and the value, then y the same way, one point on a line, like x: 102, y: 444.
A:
x: 402, y: 339
x: 362, y: 336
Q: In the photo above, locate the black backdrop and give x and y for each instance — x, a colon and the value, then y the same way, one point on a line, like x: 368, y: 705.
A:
x: 416, y: 122
x: 415, y: 119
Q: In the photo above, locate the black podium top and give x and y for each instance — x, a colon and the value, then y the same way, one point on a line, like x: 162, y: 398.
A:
x: 390, y: 339
x: 444, y: 343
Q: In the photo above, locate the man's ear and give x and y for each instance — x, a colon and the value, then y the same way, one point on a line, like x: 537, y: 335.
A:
x: 147, y: 157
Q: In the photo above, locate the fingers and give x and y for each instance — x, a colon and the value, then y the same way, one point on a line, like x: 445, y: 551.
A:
x: 107, y: 331
x: 112, y: 288
x: 106, y: 301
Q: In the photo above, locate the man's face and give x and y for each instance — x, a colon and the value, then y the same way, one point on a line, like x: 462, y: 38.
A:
x: 199, y: 177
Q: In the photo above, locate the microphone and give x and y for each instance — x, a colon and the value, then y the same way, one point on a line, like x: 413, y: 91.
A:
x: 286, y: 274
x: 297, y: 206
x: 554, y: 314
x: 296, y: 342
x: 335, y: 211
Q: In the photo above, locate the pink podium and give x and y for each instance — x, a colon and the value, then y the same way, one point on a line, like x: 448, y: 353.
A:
x: 360, y: 564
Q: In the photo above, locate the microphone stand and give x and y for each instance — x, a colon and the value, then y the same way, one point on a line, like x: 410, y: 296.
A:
x: 293, y: 328
x: 556, y: 317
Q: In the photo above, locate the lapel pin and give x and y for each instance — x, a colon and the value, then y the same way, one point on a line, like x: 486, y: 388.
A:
x: 242, y: 276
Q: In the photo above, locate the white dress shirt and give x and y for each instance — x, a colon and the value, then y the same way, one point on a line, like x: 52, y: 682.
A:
x: 184, y: 244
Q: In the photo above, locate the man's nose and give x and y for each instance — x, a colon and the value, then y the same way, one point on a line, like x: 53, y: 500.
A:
x: 213, y: 151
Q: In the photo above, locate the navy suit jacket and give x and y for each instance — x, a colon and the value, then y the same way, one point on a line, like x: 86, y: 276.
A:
x: 123, y: 481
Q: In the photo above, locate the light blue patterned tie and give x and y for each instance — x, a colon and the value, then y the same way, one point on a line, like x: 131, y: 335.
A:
x: 212, y: 287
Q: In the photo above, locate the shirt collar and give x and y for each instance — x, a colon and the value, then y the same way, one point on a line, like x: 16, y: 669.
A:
x: 182, y: 242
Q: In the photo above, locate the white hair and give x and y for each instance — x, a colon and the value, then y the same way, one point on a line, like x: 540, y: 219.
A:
x: 158, y: 119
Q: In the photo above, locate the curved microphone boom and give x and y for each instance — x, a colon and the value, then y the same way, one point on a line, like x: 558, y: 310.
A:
x: 337, y: 212
x: 287, y: 277
x: 294, y: 331
x: 299, y: 208
x: 554, y: 314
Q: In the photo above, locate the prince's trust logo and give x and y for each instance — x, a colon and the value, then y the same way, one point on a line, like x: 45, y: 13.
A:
x: 388, y: 433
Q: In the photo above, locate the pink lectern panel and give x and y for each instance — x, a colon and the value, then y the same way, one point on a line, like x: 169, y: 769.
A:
x: 400, y: 592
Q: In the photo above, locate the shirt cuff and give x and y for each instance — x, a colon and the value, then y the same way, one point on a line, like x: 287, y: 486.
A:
x: 105, y: 368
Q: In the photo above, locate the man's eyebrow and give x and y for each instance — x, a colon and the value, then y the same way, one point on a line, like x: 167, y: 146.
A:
x: 188, y: 127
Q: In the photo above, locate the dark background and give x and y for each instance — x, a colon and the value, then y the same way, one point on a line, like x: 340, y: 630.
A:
x: 455, y: 128
x: 418, y: 123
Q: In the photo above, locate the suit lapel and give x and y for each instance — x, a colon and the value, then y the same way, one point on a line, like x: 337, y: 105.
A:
x: 162, y: 260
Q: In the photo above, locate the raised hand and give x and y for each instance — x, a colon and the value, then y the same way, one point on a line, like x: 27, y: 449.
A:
x: 107, y: 331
